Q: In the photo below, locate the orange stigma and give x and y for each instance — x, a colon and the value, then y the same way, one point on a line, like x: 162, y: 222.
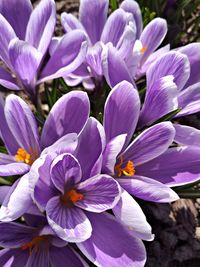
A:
x: 23, y: 156
x: 72, y: 196
x: 34, y: 243
x: 143, y: 49
x: 128, y: 170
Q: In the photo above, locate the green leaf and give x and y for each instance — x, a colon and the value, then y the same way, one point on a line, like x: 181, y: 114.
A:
x: 3, y: 150
x: 113, y: 4
x: 4, y: 181
x: 169, y: 116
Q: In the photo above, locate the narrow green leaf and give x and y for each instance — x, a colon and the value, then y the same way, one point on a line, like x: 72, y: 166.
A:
x: 4, y: 181
x: 113, y: 4
x: 3, y: 150
x: 168, y: 116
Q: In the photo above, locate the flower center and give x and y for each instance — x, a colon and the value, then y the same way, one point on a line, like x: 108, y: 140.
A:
x: 72, y: 196
x: 35, y: 243
x: 23, y: 156
x: 128, y: 170
x: 143, y: 49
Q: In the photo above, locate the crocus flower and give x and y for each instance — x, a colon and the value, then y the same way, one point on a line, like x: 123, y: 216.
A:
x: 65, y: 182
x: 20, y: 134
x: 35, y: 244
x: 25, y: 37
x: 172, y: 82
x: 147, y: 167
x: 122, y: 28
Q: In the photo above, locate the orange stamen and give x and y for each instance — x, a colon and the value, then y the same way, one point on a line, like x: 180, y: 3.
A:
x: 34, y: 243
x: 23, y: 156
x: 143, y: 49
x: 72, y: 196
x: 128, y: 170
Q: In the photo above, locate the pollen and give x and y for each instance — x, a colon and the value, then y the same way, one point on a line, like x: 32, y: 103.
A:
x: 128, y: 170
x: 23, y: 156
x: 72, y: 196
x: 35, y: 243
x: 143, y: 49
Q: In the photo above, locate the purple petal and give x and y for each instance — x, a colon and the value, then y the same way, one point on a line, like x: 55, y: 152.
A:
x: 6, y: 35
x: 121, y: 111
x: 186, y: 135
x: 3, y: 192
x: 89, y: 147
x: 41, y: 25
x: 189, y: 100
x: 6, y: 159
x: 150, y: 144
x: 7, y: 80
x: 22, y: 124
x: 15, y: 235
x: 152, y: 36
x: 111, y: 244
x: 112, y: 150
x: 114, y: 27
x: 93, y: 59
x: 177, y: 166
x: 13, y: 257
x: 65, y: 172
x: 14, y: 168
x: 66, y: 255
x: 172, y: 63
x: 68, y: 115
x: 70, y: 224
x: 67, y: 57
x: 25, y: 59
x: 148, y: 189
x: 39, y: 257
x: 41, y: 186
x: 129, y: 212
x: 17, y: 201
x: 192, y: 51
x: 70, y: 22
x: 93, y: 15
x: 100, y: 193
x: 60, y: 147
x: 114, y: 68
x: 132, y: 7
x: 17, y: 13
x: 161, y: 98
x: 126, y: 43
x: 5, y: 132
x: 163, y: 50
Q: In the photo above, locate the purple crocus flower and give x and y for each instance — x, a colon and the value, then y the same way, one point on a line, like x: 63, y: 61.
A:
x: 172, y: 82
x: 25, y: 36
x: 65, y: 182
x: 146, y: 167
x: 20, y: 134
x: 35, y: 244
x: 122, y: 160
x: 121, y: 29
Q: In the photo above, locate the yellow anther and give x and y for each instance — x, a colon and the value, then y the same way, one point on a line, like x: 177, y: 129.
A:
x: 143, y: 49
x: 23, y: 156
x: 128, y: 170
